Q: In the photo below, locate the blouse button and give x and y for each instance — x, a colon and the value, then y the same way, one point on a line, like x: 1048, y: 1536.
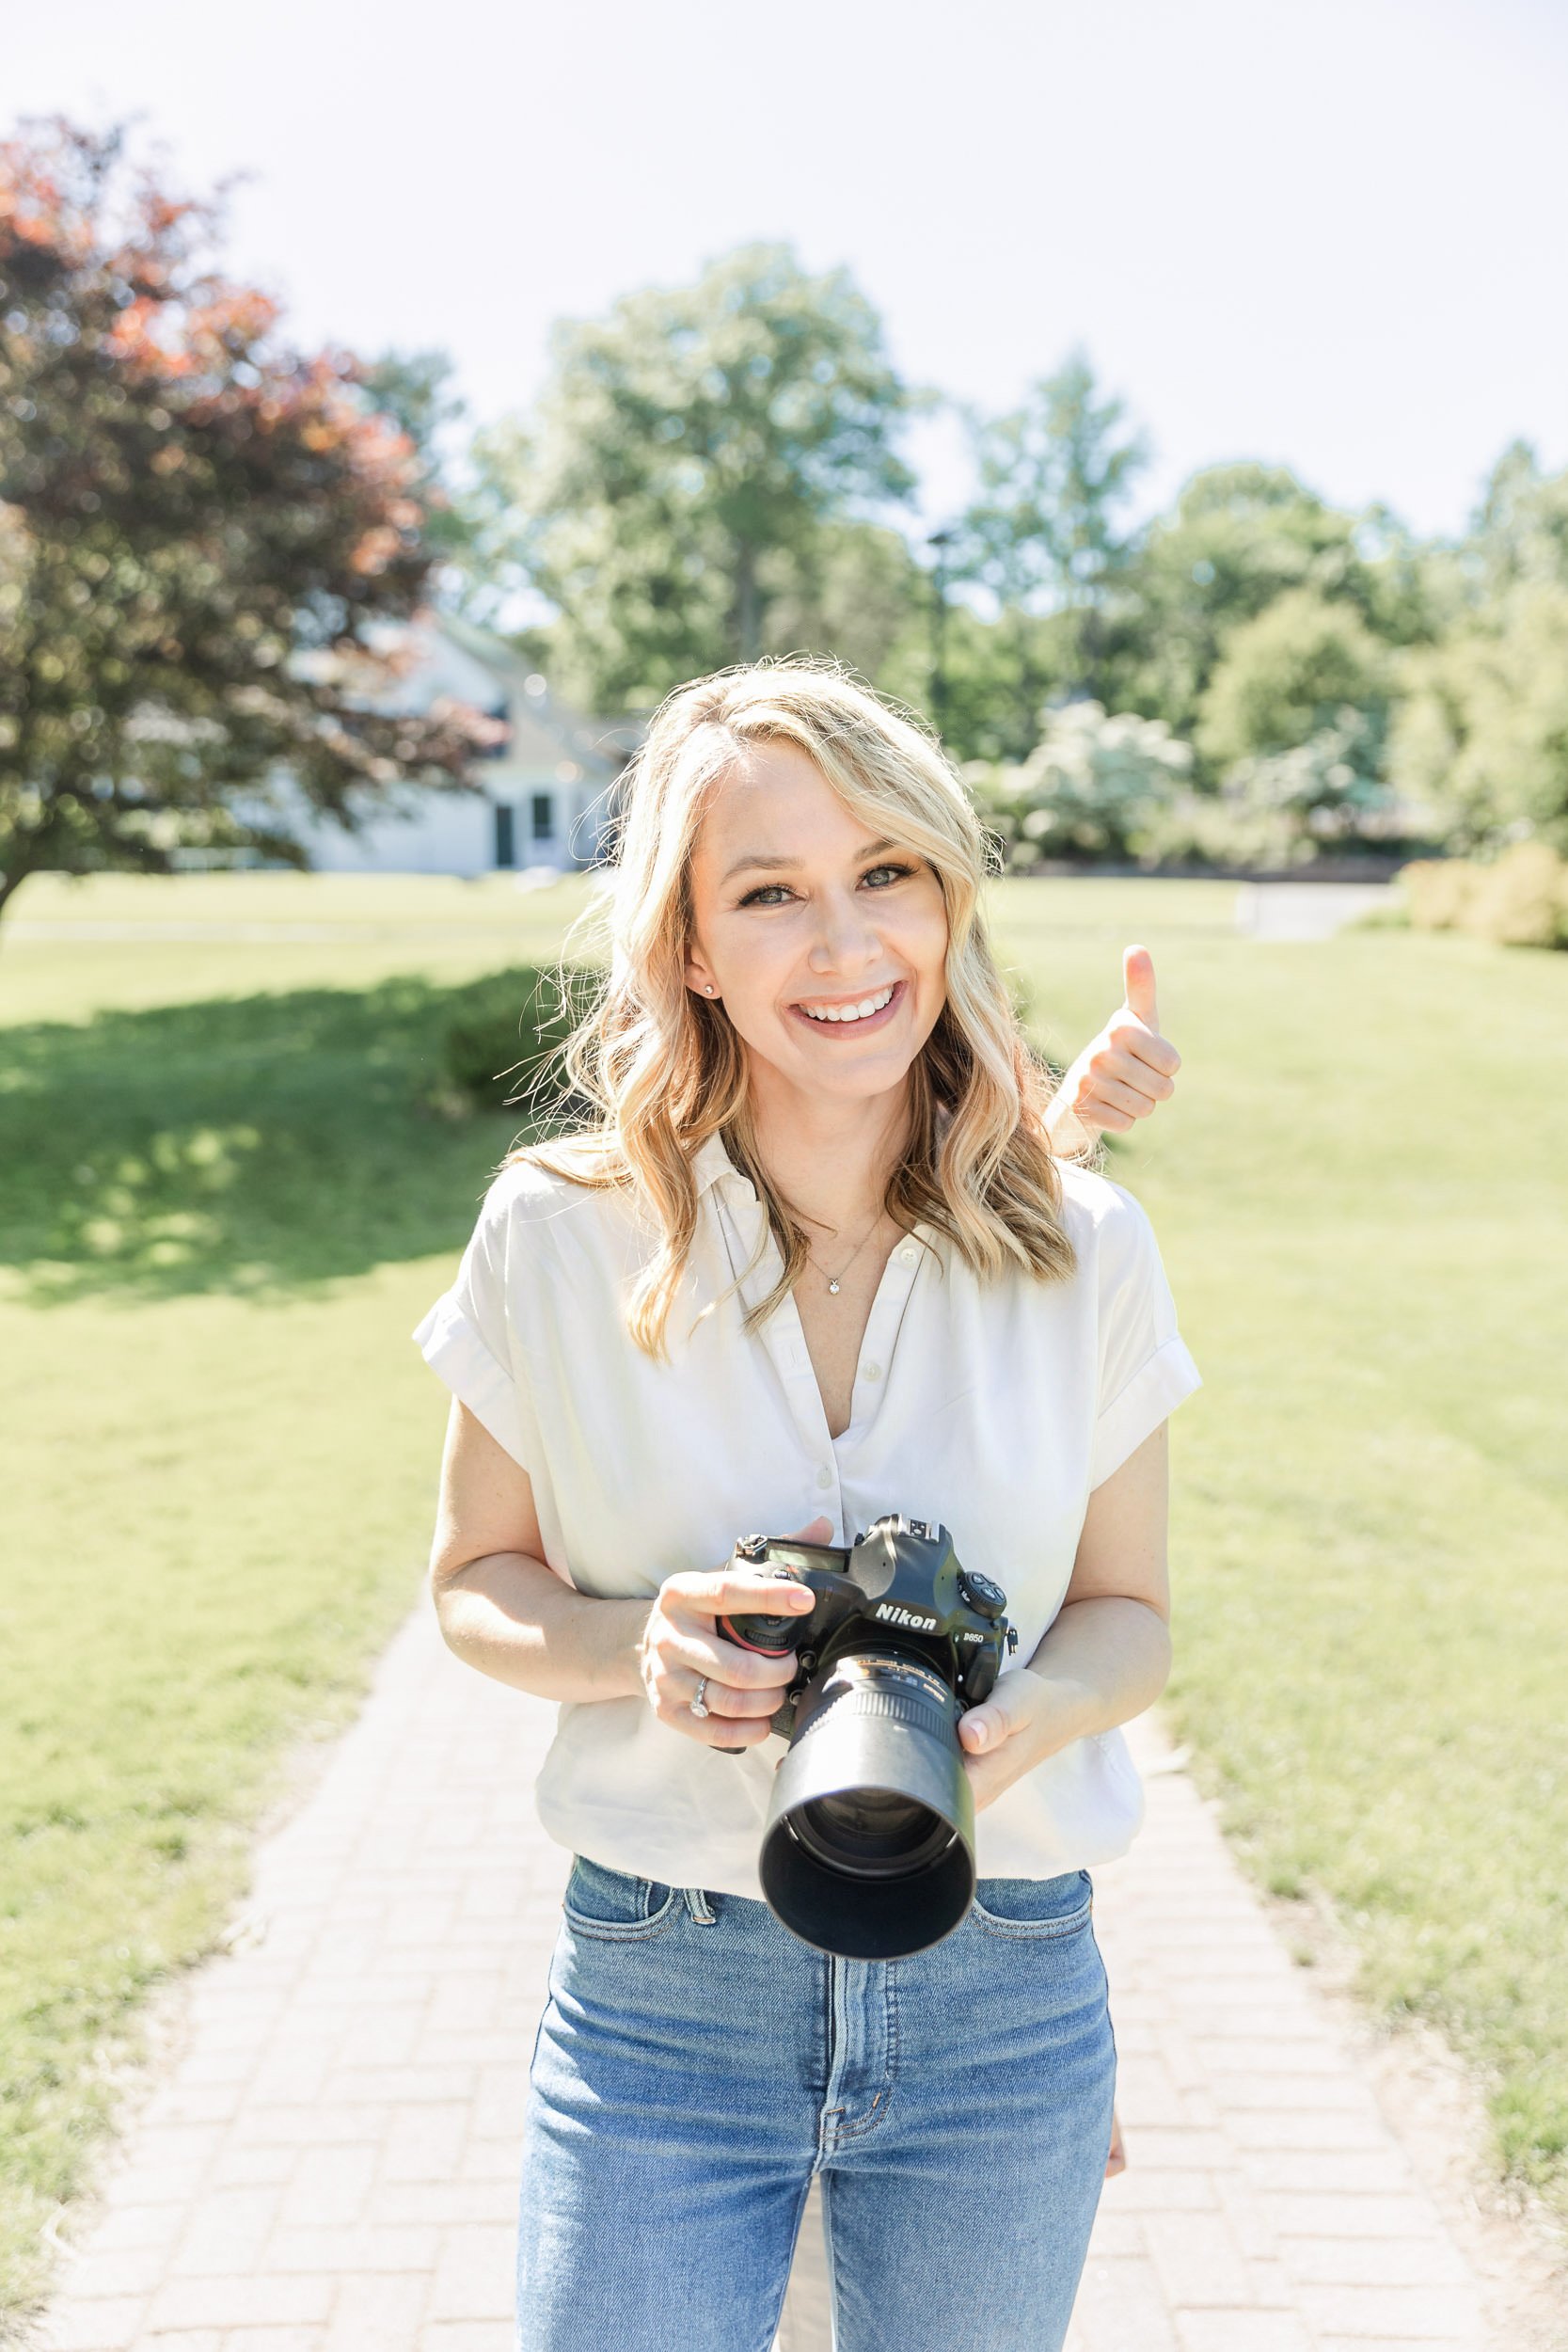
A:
x: 872, y: 1372
x: 906, y: 1255
x: 824, y: 1478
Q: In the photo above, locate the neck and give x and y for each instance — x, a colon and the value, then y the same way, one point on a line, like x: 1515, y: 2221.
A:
x: 830, y: 1160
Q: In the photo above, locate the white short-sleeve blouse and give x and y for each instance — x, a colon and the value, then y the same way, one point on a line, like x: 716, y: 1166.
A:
x: 994, y: 1408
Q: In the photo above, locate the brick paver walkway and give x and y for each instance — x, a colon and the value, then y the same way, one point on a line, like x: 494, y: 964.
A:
x: 331, y: 2164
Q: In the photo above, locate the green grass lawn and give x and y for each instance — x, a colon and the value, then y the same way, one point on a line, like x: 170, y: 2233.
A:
x: 223, y: 1205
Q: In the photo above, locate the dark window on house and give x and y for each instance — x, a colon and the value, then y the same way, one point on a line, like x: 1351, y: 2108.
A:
x: 493, y: 751
x: 506, y: 845
x: 543, y: 816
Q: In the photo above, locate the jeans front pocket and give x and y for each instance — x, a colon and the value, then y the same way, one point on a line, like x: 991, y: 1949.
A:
x: 1035, y: 1908
x: 615, y: 1907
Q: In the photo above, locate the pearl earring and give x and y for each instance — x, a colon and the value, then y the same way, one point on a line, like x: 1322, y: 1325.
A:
x: 707, y: 992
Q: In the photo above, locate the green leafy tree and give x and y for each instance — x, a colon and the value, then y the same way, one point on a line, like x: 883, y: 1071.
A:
x: 1288, y: 673
x: 854, y: 589
x: 416, y: 389
x: 681, y: 476
x: 1240, y: 536
x: 1518, y: 536
x: 1045, y: 536
x: 199, y: 534
x: 1480, y: 735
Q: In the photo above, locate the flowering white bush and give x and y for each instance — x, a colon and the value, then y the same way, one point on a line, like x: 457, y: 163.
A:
x: 1087, y: 790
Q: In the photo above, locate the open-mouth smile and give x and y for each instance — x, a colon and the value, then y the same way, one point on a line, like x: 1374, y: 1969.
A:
x: 851, y: 1019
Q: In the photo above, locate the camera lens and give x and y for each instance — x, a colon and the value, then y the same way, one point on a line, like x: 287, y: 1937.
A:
x: 872, y: 1832
x: 868, y: 1851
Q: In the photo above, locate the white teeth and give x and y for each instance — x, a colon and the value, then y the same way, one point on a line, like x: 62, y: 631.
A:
x: 850, y: 1013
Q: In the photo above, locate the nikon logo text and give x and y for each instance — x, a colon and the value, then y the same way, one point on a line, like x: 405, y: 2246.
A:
x: 891, y: 1614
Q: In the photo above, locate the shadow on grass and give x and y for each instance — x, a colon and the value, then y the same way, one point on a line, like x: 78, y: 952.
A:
x: 257, y: 1144
x: 254, y: 1144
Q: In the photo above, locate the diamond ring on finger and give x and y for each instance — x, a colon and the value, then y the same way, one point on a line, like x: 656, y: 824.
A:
x: 699, y: 1696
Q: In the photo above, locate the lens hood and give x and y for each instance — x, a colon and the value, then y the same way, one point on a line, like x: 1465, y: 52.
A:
x: 868, y: 1848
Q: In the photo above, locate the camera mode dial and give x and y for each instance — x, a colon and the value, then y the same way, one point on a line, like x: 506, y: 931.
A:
x: 986, y: 1598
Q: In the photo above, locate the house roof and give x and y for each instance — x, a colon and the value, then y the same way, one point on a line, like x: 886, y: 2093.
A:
x: 544, y: 731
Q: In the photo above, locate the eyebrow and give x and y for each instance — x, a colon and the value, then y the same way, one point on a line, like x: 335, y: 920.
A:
x: 788, y: 865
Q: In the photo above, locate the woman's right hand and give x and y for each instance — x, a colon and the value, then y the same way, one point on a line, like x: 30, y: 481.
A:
x: 681, y: 1641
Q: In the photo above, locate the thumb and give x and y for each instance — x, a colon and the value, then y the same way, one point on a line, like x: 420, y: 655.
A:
x: 1137, y: 980
x: 817, y: 1531
x: 986, y: 1727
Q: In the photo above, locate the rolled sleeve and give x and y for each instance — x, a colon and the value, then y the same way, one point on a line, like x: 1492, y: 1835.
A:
x: 466, y: 1337
x: 1145, y: 1367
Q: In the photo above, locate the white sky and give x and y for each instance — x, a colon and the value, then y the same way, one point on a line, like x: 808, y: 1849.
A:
x: 1327, y: 235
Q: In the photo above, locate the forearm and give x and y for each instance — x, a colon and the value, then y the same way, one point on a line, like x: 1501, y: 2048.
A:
x: 1073, y: 1135
x: 1104, y: 1661
x: 515, y: 1619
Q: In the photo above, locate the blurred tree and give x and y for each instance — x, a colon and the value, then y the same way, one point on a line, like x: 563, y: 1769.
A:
x: 1518, y: 534
x: 1287, y: 674
x: 1044, y: 535
x: 1480, y: 736
x: 1240, y: 537
x: 200, y: 532
x: 416, y: 389
x: 684, y: 466
x: 853, y: 589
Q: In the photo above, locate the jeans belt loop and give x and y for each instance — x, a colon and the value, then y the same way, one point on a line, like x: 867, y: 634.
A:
x: 701, y: 1909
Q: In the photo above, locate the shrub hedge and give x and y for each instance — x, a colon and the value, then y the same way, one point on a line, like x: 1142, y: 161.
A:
x: 1519, y: 900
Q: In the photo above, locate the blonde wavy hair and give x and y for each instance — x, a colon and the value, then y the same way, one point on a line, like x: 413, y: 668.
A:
x: 664, y: 1068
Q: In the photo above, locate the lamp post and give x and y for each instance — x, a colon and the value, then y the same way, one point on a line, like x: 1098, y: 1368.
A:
x: 939, y: 542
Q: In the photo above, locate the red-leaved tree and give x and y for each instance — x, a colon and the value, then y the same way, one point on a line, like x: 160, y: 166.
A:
x: 200, y: 531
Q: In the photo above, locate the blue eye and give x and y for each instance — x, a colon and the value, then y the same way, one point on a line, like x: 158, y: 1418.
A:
x: 759, y: 895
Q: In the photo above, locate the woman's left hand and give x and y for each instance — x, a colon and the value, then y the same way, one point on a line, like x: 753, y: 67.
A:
x: 1122, y: 1074
x: 1023, y: 1721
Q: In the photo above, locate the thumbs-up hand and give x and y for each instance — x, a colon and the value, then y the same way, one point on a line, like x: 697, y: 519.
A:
x: 1123, y: 1072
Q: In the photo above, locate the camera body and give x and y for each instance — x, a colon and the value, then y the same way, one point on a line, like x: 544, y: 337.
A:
x: 899, y: 1591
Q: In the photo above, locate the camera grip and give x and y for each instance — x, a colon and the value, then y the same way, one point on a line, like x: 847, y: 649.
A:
x: 766, y: 1637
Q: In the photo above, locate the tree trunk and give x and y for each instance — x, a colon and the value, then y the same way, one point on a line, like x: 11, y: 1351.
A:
x: 747, y: 606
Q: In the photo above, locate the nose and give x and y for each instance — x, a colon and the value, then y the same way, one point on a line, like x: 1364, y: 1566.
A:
x: 847, y: 938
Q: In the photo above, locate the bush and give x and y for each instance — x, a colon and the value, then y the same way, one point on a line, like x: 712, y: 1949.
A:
x: 506, y: 1043
x: 1085, y: 790
x: 1519, y: 901
x: 1438, y: 891
x: 1284, y: 808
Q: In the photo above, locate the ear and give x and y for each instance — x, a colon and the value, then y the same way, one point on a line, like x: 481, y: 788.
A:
x: 699, y: 978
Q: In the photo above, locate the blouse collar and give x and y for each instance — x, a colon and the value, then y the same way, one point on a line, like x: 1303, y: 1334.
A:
x: 711, y: 1164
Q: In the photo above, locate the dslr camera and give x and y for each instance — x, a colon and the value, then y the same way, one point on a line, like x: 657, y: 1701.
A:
x: 868, y: 1848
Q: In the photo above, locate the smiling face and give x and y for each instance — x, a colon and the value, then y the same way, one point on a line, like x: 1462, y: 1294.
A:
x: 826, y: 938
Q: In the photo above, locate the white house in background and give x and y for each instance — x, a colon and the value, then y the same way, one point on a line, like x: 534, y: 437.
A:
x: 546, y: 796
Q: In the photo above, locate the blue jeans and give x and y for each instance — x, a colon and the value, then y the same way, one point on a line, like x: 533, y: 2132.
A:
x: 696, y: 2064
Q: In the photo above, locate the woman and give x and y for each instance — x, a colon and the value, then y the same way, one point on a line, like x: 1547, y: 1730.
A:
x: 818, y: 1260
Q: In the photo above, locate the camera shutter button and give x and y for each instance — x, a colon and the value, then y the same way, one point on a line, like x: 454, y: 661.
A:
x: 986, y: 1598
